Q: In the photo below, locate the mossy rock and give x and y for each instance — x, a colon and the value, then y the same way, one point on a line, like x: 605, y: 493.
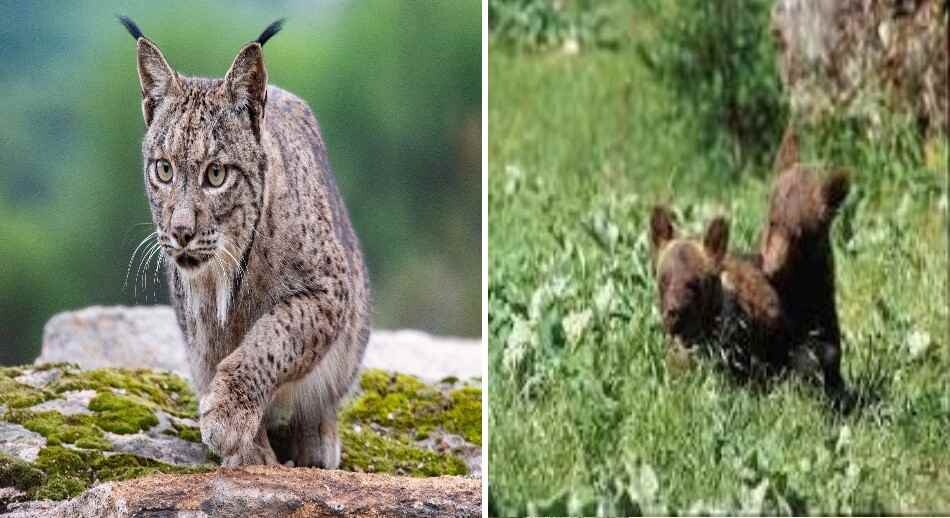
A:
x: 382, y: 428
x: 405, y: 404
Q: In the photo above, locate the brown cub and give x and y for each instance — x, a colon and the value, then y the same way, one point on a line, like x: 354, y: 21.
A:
x: 709, y: 296
x: 797, y: 258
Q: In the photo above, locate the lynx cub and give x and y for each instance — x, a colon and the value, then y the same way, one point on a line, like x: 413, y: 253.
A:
x: 265, y: 272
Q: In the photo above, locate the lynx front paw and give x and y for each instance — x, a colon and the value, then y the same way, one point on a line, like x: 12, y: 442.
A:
x: 227, y: 429
x: 250, y: 454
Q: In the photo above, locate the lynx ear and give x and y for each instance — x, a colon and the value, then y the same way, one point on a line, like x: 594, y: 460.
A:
x: 156, y: 77
x: 245, y: 84
x: 716, y: 240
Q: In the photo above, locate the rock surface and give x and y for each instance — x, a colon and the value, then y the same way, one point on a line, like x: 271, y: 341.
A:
x: 858, y: 54
x: 148, y: 337
x: 272, y: 492
x: 19, y: 442
x: 116, y: 336
x: 64, y: 430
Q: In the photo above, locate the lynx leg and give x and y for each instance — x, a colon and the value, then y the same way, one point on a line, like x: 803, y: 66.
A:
x: 232, y: 412
x: 316, y: 442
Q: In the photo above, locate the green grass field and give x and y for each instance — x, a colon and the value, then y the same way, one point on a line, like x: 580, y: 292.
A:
x: 584, y: 416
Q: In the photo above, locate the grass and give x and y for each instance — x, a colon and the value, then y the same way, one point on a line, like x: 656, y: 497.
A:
x: 585, y: 418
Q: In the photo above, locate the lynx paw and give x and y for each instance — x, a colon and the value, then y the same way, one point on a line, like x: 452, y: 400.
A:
x: 250, y: 454
x: 227, y: 429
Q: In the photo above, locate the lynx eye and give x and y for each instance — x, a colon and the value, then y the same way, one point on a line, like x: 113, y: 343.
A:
x: 215, y: 175
x: 163, y: 170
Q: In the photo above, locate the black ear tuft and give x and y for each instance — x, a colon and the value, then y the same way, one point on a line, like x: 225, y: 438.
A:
x: 270, y: 31
x: 130, y: 26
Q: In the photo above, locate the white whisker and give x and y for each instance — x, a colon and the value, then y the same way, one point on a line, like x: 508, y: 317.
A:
x: 146, y: 257
x: 129, y: 268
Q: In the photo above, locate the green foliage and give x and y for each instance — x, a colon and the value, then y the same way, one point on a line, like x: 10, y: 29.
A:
x: 718, y: 60
x: 547, y: 24
x: 585, y: 417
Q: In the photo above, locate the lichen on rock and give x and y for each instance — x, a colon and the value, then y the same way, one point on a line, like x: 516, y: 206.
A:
x: 86, y: 427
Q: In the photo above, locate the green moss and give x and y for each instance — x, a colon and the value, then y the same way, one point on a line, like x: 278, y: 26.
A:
x: 63, y: 366
x: 19, y: 474
x: 400, y: 402
x: 59, y: 488
x: 163, y: 390
x: 68, y: 472
x: 59, y: 460
x: 10, y: 372
x: 188, y: 433
x: 17, y: 395
x: 406, y: 405
x: 80, y: 430
x: 126, y: 466
x: 368, y: 451
x: 395, y: 411
x: 120, y: 414
x: 464, y: 416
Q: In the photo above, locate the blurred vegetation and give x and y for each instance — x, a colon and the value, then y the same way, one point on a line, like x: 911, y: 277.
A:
x: 543, y: 24
x: 718, y: 59
x: 586, y: 417
x: 395, y: 87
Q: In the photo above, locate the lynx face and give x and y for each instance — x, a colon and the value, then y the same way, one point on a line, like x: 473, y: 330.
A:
x: 203, y: 158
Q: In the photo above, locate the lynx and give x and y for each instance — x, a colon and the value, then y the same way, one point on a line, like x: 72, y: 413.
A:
x: 264, y: 270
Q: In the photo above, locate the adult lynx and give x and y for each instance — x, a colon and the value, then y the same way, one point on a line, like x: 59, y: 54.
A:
x: 265, y: 273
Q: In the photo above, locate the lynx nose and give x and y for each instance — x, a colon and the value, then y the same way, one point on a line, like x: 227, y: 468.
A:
x: 183, y: 235
x: 183, y: 224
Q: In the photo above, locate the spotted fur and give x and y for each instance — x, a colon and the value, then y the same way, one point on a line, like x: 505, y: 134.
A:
x: 265, y: 272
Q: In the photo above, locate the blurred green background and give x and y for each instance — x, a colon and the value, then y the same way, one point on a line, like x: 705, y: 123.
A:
x: 396, y: 87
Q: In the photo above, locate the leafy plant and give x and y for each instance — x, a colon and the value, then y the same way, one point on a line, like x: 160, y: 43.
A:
x: 547, y: 24
x: 718, y: 60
